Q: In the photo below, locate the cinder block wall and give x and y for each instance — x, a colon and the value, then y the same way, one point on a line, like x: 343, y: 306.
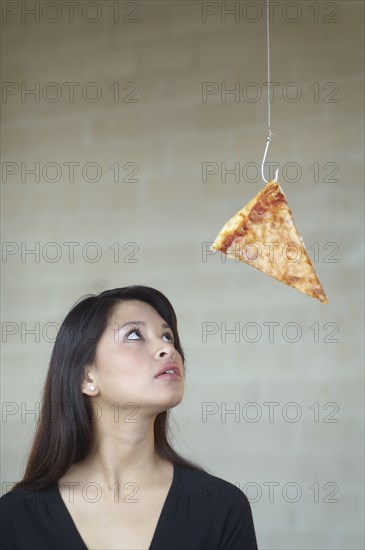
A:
x: 144, y: 132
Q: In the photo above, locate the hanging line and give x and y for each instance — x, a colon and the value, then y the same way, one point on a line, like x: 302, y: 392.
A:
x: 268, y: 96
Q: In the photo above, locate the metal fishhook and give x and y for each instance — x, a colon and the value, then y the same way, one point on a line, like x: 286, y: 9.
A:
x: 264, y: 159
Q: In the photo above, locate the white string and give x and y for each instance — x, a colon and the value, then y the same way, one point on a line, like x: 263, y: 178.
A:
x: 268, y: 95
x: 268, y: 66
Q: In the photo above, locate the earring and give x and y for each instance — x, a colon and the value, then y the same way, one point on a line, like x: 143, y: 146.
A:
x: 92, y: 388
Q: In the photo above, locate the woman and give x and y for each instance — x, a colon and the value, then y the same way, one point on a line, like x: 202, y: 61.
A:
x: 101, y: 473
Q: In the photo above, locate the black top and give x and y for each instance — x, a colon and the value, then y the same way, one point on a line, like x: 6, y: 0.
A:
x: 201, y: 512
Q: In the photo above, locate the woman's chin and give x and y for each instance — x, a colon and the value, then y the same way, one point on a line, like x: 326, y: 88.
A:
x: 171, y: 402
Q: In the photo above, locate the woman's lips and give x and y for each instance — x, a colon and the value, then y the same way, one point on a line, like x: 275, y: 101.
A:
x: 169, y: 376
x: 170, y: 365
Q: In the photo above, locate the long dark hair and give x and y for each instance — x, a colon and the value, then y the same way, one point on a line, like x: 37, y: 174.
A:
x: 64, y: 433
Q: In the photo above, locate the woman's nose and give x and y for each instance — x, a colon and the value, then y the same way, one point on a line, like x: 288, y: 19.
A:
x: 166, y: 349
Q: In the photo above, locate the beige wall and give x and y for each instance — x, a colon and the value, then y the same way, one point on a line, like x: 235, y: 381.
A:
x: 165, y: 56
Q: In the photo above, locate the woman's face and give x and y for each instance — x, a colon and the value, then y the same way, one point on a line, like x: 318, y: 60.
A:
x: 135, y: 346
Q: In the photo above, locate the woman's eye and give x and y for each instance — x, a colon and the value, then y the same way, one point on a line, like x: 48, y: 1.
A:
x: 136, y: 335
x: 134, y: 331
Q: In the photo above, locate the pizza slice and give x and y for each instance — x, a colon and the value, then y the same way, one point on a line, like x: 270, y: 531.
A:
x: 263, y: 234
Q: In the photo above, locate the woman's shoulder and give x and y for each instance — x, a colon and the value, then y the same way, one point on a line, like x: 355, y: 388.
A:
x: 20, y: 496
x: 12, y: 505
x: 12, y: 498
x: 198, y: 477
x: 211, y: 500
x: 211, y: 488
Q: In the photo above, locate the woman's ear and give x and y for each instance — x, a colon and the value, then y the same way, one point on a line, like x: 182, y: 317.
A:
x: 88, y: 386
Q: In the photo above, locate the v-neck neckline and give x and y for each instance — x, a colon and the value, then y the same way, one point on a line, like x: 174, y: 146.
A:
x: 155, y: 537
